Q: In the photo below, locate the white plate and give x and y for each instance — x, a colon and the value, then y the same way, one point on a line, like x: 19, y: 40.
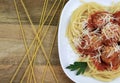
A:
x: 66, y: 54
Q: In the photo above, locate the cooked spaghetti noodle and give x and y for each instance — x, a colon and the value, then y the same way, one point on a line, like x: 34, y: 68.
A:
x: 94, y: 33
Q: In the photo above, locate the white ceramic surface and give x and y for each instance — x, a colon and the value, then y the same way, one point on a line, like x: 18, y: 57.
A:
x: 66, y: 54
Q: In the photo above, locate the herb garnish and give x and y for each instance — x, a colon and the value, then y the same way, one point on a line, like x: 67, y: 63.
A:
x: 79, y: 66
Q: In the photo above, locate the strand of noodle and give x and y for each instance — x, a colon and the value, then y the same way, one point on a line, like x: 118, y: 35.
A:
x: 28, y: 78
x: 117, y: 7
x: 71, y: 33
x: 88, y: 11
x: 96, y: 6
x: 38, y: 48
x: 101, y: 78
x: 42, y: 18
x: 105, y: 76
x: 43, y: 15
x: 43, y: 12
x: 18, y: 68
x: 30, y: 81
x: 76, y: 29
x: 24, y: 38
x: 29, y: 17
x: 78, y: 13
x: 91, y: 66
x: 114, y: 7
x: 53, y: 42
x: 45, y: 69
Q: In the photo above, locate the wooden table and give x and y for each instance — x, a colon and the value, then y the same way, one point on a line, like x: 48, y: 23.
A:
x: 12, y: 48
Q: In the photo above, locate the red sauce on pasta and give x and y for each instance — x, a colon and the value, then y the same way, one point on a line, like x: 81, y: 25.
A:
x: 101, y: 40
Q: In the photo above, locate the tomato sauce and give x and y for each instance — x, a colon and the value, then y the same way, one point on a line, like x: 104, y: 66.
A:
x: 117, y: 17
x: 96, y: 45
x: 95, y: 20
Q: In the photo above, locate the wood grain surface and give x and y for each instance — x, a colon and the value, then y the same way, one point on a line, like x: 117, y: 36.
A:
x: 12, y: 48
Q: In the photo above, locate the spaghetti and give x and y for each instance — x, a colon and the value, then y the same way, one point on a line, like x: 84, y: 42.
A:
x: 39, y: 43
x: 94, y: 33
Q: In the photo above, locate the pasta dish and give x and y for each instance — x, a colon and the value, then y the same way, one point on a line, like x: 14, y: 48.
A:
x: 94, y: 34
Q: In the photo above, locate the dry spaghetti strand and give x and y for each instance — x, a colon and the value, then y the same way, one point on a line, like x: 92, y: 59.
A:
x: 24, y: 38
x: 42, y: 50
x: 41, y: 19
x: 53, y: 42
x: 18, y: 68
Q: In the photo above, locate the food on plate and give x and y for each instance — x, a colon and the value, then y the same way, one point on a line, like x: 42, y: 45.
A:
x: 94, y: 34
